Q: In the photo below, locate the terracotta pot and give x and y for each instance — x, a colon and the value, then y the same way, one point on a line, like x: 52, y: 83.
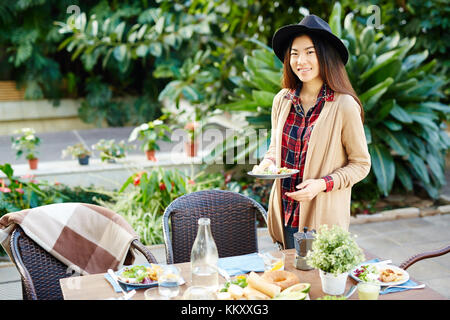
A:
x: 150, y: 155
x: 191, y: 148
x: 33, y: 163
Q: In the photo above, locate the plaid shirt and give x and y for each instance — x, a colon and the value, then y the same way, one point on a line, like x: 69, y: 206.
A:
x: 296, y: 133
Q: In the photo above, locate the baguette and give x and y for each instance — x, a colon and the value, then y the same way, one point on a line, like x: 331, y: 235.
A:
x: 251, y: 293
x: 256, y: 282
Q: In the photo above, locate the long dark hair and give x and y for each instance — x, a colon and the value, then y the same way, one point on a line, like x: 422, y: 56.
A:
x: 332, y: 69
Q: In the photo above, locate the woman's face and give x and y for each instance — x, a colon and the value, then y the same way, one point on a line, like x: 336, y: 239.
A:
x: 303, y: 59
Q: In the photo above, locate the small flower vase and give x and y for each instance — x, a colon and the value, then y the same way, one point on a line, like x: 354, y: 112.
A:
x: 191, y: 148
x: 332, y: 284
x: 83, y: 160
x: 150, y: 155
x: 33, y: 163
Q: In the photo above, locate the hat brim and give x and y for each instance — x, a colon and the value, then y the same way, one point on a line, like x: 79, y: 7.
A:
x: 282, y: 37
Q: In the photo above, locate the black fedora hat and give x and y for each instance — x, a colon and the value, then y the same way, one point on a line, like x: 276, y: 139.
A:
x: 309, y: 24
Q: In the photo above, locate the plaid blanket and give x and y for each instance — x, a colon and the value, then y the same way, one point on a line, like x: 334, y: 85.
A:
x: 87, y: 237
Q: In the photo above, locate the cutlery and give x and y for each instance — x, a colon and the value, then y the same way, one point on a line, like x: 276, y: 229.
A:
x: 350, y: 292
x: 420, y: 286
x: 224, y: 273
x: 126, y: 295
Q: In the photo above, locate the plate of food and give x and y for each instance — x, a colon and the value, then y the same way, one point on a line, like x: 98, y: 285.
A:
x: 383, y: 274
x: 272, y: 172
x: 145, y: 276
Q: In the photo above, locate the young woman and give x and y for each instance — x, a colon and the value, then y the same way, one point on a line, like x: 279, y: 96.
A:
x: 317, y: 127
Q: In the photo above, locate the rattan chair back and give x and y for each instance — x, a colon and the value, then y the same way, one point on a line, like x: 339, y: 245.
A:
x: 425, y: 255
x: 40, y: 271
x: 233, y: 223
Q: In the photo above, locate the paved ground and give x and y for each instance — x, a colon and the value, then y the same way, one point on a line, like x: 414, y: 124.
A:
x: 396, y: 240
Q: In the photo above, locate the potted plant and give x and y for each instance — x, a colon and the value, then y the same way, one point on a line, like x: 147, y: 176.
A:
x: 334, y: 252
x: 26, y: 143
x: 79, y: 151
x: 150, y: 133
x: 110, y: 150
x: 191, y: 145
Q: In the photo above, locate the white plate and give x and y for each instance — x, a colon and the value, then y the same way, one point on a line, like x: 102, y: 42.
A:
x: 380, y: 267
x: 154, y: 283
x: 140, y: 285
x: 273, y: 176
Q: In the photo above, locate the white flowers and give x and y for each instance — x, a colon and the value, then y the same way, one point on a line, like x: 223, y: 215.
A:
x: 334, y: 250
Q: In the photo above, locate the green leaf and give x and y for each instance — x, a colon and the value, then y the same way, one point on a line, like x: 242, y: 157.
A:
x: 419, y: 167
x: 397, y: 141
x: 404, y: 176
x: 368, y: 134
x: 371, y: 96
x: 385, y: 109
x: 383, y: 167
x: 120, y: 52
x: 155, y: 49
x: 400, y: 114
x: 367, y: 37
x: 436, y: 106
x: 141, y: 50
x: 240, y: 105
x: 118, y: 31
x: 264, y: 98
x: 392, y: 125
x: 7, y: 170
x: 272, y: 76
x: 413, y: 61
x: 436, y: 168
x: 335, y: 19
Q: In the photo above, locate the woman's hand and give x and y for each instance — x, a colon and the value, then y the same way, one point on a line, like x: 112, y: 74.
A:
x: 309, y: 189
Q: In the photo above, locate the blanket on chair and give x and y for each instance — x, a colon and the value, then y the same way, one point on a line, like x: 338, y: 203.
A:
x: 88, y: 238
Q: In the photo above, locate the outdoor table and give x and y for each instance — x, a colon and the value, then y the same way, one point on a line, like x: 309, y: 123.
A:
x: 96, y: 287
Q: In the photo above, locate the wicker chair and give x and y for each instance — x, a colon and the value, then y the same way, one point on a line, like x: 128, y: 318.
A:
x: 425, y: 255
x: 40, y: 272
x: 233, y: 223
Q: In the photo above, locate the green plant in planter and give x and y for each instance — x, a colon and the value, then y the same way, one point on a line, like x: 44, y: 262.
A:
x: 77, y: 150
x: 110, y: 150
x: 26, y: 143
x: 334, y: 250
x: 150, y: 133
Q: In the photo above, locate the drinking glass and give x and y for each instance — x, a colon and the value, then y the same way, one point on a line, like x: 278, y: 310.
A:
x: 273, y: 260
x: 168, y: 281
x: 368, y: 290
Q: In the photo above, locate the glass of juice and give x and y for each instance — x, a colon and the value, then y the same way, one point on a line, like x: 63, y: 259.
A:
x: 368, y: 290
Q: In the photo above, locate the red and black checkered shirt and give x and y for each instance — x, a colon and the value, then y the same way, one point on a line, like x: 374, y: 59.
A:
x: 296, y: 133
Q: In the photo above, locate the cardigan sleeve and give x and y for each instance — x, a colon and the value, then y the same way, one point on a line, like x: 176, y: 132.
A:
x: 271, y: 152
x: 354, y: 141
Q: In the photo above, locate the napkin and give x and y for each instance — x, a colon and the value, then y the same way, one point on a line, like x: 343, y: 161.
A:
x: 236, y: 265
x: 394, y: 289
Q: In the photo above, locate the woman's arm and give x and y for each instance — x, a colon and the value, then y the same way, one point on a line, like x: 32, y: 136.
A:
x: 355, y: 144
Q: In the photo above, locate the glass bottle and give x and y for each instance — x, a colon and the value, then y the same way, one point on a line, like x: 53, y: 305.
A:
x: 204, y: 257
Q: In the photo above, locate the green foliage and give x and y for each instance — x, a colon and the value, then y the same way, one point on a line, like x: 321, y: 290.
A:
x: 145, y: 195
x: 110, y: 150
x: 404, y: 118
x: 334, y: 250
x: 76, y: 151
x: 150, y: 133
x: 26, y: 143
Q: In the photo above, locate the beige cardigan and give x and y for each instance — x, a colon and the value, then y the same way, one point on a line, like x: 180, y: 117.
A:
x: 337, y: 147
